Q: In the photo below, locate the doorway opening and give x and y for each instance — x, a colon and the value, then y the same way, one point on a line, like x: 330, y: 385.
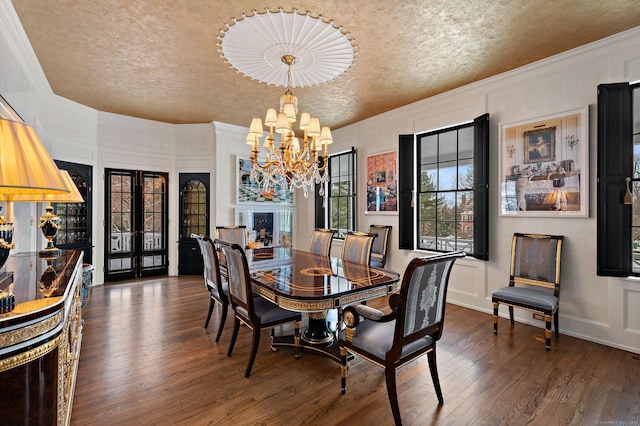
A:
x: 136, y: 224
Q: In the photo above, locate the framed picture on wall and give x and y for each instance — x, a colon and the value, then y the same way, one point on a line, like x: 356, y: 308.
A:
x: 544, y: 166
x: 382, y: 183
x: 249, y: 192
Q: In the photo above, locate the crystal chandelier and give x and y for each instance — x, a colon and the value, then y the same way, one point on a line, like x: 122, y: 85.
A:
x: 295, y: 163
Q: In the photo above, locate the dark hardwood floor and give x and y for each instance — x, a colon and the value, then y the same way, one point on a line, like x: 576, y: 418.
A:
x: 146, y: 359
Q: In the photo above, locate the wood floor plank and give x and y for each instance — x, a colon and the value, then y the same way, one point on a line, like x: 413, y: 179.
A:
x: 146, y: 359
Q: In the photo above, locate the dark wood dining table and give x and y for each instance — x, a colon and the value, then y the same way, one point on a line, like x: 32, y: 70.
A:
x: 304, y: 282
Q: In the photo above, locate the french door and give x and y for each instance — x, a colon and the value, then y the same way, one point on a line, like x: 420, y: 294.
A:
x: 136, y: 224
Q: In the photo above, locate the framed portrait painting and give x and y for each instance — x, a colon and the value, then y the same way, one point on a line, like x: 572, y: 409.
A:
x: 382, y: 183
x: 250, y: 192
x: 544, y: 166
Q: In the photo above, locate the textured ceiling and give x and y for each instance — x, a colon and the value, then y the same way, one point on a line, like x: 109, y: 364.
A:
x: 159, y: 59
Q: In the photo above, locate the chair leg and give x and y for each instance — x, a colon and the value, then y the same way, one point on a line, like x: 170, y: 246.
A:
x: 390, y: 375
x: 433, y: 367
x: 212, y: 303
x: 547, y: 331
x: 555, y: 324
x: 511, y: 314
x: 255, y: 341
x: 234, y: 335
x: 495, y: 317
x: 222, y: 321
x: 343, y: 369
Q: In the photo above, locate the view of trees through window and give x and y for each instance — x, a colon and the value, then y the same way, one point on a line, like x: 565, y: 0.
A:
x: 121, y: 202
x: 122, y: 191
x: 341, y: 193
x: 445, y: 198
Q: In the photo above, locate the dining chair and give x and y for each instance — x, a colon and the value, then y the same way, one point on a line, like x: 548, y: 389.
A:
x: 256, y: 312
x: 410, y: 330
x: 380, y: 245
x: 233, y: 234
x: 534, y: 280
x: 321, y: 241
x: 356, y: 247
x: 217, y: 288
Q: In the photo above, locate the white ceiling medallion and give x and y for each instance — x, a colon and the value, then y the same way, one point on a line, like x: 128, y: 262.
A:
x: 254, y: 46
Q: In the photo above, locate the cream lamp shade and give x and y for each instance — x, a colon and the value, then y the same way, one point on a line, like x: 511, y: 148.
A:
x: 73, y: 196
x: 25, y: 165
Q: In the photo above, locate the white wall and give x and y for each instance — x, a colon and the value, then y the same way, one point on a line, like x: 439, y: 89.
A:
x: 595, y: 308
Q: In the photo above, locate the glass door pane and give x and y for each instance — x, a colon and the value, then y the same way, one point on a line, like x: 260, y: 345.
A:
x: 120, y: 224
x: 154, y: 223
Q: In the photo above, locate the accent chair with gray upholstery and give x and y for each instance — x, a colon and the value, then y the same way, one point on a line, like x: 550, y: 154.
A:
x: 409, y: 331
x: 356, y: 247
x: 535, y: 266
x: 321, y: 241
x: 217, y: 288
x: 256, y: 312
x: 380, y: 244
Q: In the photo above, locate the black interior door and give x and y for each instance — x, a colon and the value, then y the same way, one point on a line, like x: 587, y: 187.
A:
x: 75, y: 223
x: 136, y: 224
x: 194, y: 219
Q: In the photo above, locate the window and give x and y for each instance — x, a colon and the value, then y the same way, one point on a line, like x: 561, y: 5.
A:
x: 445, y: 190
x: 340, y: 196
x: 618, y: 223
x: 449, y: 192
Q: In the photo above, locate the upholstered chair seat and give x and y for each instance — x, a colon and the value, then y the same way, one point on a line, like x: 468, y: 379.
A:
x: 531, y: 297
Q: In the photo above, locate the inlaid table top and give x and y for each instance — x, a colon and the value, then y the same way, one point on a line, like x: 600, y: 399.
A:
x: 302, y: 281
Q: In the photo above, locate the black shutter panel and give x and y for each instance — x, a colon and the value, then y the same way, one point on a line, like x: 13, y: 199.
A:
x: 481, y: 187
x: 615, y: 163
x: 354, y: 197
x: 405, y: 191
x: 319, y: 204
